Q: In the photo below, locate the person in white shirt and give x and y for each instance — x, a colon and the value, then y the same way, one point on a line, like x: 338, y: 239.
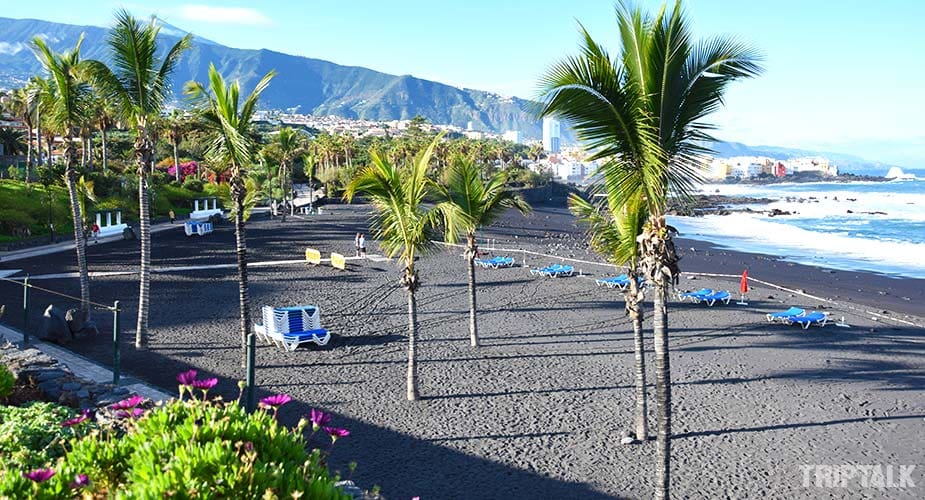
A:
x: 362, y: 244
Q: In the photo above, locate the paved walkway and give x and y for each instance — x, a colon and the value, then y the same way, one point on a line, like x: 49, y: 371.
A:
x: 84, y: 368
x: 69, y: 245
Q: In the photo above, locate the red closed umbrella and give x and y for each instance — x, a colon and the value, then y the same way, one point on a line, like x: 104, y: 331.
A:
x: 743, y: 287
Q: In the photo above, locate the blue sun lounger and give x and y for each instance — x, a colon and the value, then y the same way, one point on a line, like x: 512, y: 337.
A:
x: 715, y: 297
x: 495, y: 262
x: 695, y: 296
x: 783, y: 315
x: 553, y: 271
x: 805, y: 320
x: 612, y: 282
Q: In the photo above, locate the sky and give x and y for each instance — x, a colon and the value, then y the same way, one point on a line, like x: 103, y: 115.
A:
x: 843, y: 76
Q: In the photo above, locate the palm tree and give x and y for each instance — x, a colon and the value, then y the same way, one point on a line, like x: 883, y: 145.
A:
x: 138, y: 84
x: 288, y: 143
x: 12, y: 141
x: 467, y: 203
x: 22, y: 105
x: 642, y: 112
x: 67, y: 96
x: 310, y: 166
x: 230, y: 121
x: 176, y: 128
x: 403, y: 224
x: 613, y: 230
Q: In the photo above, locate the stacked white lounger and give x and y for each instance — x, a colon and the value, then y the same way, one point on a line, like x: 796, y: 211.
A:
x: 291, y: 327
x: 192, y: 227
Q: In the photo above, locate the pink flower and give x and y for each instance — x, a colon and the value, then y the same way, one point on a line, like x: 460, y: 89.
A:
x: 80, y: 481
x: 336, y: 432
x: 205, y: 384
x: 127, y: 404
x: 275, y: 401
x: 187, y: 378
x: 130, y: 413
x: 39, y: 475
x: 76, y: 420
x: 319, y: 419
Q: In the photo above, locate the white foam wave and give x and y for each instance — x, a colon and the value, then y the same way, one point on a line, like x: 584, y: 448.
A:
x: 753, y: 233
x: 833, y: 201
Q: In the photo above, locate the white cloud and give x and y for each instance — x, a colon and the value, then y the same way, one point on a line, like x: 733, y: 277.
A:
x: 11, y: 48
x: 48, y: 38
x: 224, y: 15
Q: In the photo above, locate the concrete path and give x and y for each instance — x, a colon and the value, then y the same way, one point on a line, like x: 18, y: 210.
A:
x: 69, y: 245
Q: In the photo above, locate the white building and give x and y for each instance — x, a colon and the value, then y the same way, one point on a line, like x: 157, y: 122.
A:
x: 820, y: 165
x: 512, y: 136
x: 552, y: 135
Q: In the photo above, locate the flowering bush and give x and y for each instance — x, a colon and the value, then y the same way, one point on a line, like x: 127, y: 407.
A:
x: 190, y: 447
x: 186, y: 169
x: 33, y: 436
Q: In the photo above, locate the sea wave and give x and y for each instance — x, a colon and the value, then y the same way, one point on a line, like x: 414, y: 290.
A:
x: 838, y: 248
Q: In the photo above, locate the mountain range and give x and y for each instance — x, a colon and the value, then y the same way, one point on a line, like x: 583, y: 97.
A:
x: 313, y: 86
x: 319, y: 87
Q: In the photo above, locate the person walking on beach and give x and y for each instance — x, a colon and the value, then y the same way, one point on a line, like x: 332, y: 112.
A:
x: 362, y: 244
x: 172, y: 216
x: 356, y: 243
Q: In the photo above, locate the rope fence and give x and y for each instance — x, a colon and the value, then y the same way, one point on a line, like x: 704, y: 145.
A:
x: 114, y: 309
x: 842, y: 305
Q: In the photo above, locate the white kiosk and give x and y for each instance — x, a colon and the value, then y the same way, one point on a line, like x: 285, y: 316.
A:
x: 110, y: 224
x: 204, y: 210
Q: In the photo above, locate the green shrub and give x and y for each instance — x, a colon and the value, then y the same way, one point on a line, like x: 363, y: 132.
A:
x: 6, y: 381
x: 16, y: 173
x: 192, y: 184
x: 187, y: 449
x: 32, y: 436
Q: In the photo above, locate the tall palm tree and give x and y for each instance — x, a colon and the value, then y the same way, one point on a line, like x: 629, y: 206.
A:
x: 138, y: 84
x: 288, y: 144
x: 403, y: 224
x: 176, y: 128
x: 22, y: 105
x: 310, y: 166
x: 68, y: 94
x: 230, y: 120
x: 467, y: 203
x: 613, y: 229
x: 643, y: 111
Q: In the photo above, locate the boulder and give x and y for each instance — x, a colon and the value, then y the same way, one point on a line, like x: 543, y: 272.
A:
x: 55, y: 326
x: 80, y: 324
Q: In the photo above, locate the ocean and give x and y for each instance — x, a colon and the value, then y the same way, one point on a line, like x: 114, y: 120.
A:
x: 869, y: 226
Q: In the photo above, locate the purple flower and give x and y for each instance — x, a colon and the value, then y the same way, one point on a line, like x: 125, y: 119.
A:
x: 275, y: 401
x: 130, y: 413
x: 39, y: 475
x: 319, y: 419
x: 127, y: 404
x: 248, y: 446
x: 76, y: 420
x: 80, y: 481
x: 187, y: 378
x: 336, y: 432
x: 205, y: 384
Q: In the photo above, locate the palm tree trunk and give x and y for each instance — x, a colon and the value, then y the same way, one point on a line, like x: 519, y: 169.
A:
x: 28, y: 150
x: 239, y: 193
x: 412, y: 340
x: 634, y: 308
x: 143, y: 152
x: 409, y: 281
x: 176, y: 160
x: 105, y: 152
x: 38, y: 135
x: 471, y: 251
x: 662, y: 389
x: 80, y: 244
x: 90, y: 152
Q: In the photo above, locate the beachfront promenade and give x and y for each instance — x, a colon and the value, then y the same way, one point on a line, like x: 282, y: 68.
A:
x: 539, y: 410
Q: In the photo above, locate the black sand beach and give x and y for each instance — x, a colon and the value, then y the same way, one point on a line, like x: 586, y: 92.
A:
x: 538, y: 411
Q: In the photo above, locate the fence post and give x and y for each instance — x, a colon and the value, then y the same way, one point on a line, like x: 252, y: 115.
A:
x: 25, y: 310
x: 250, y: 398
x: 116, y: 353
